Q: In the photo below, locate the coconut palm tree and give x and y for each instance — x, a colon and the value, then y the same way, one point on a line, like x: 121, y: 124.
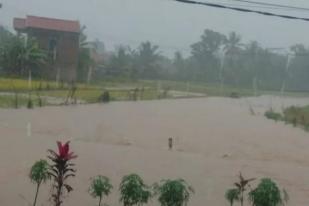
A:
x: 19, y: 57
x: 232, y: 49
x: 147, y: 59
x: 31, y: 56
x: 85, y: 60
x: 232, y: 44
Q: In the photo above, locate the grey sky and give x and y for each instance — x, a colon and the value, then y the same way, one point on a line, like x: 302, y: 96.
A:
x: 171, y: 25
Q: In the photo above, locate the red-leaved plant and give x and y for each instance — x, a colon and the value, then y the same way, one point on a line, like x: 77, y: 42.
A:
x: 61, y: 169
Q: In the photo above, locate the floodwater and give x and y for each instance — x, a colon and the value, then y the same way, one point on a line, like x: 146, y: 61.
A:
x: 214, y: 139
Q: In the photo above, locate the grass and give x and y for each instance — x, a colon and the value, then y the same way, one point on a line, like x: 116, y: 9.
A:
x: 11, y: 84
x: 119, y: 90
x: 92, y: 95
x: 8, y: 101
x: 215, y: 89
x: 270, y: 114
x: 297, y: 116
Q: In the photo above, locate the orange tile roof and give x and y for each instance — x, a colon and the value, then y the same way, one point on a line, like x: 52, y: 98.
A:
x: 47, y: 23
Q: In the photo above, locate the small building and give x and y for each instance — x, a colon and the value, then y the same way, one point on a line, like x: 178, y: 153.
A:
x: 59, y: 38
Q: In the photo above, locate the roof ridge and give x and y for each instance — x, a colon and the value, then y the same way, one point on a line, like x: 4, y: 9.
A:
x: 50, y: 18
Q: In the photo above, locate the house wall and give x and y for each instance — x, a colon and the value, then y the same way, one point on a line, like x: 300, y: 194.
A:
x: 65, y: 53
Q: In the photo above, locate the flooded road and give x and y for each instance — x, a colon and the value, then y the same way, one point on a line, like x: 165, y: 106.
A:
x: 214, y: 139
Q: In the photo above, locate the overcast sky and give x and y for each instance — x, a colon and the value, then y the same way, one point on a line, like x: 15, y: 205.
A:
x: 171, y: 25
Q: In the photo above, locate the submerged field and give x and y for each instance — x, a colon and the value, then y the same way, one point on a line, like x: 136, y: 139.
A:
x: 215, y: 139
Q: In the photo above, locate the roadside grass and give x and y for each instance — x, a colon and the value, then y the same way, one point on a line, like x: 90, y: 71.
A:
x: 121, y: 90
x: 8, y: 101
x: 93, y: 95
x: 296, y: 116
x: 215, y: 89
x: 11, y: 84
x: 270, y: 114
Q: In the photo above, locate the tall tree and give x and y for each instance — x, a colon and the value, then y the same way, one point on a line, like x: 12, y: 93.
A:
x: 18, y: 56
x: 233, y: 49
x: 147, y: 58
x: 120, y: 63
x: 203, y: 53
x: 180, y: 66
x: 297, y: 72
x: 85, y: 60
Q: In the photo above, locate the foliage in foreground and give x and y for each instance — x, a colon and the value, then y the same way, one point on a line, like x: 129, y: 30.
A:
x: 173, y: 192
x: 267, y: 193
x: 232, y: 195
x: 297, y: 116
x: 100, y: 187
x: 61, y: 169
x: 39, y: 173
x: 238, y: 193
x: 270, y: 114
x: 133, y: 191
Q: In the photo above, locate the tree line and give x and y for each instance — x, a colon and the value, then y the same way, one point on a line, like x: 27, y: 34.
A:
x: 215, y: 58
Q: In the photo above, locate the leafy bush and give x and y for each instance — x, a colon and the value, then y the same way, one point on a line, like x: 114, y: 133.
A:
x: 173, y: 192
x: 232, y: 195
x: 235, y: 95
x: 39, y: 173
x: 133, y: 191
x: 100, y: 186
x: 105, y: 97
x: 267, y: 193
x: 270, y: 114
x: 238, y: 193
x: 30, y: 103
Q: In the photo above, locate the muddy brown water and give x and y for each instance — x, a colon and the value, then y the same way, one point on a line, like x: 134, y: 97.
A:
x: 214, y: 139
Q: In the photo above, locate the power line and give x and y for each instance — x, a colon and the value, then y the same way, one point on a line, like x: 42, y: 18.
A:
x: 220, y: 6
x: 260, y: 7
x: 271, y: 4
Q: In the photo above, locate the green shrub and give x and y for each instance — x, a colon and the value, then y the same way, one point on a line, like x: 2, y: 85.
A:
x: 232, y: 195
x: 238, y: 193
x: 270, y: 114
x: 39, y: 173
x: 133, y: 191
x: 30, y: 103
x: 100, y: 187
x: 173, y: 192
x: 267, y: 193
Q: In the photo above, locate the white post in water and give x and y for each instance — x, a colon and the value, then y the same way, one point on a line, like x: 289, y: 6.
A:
x: 29, y: 132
